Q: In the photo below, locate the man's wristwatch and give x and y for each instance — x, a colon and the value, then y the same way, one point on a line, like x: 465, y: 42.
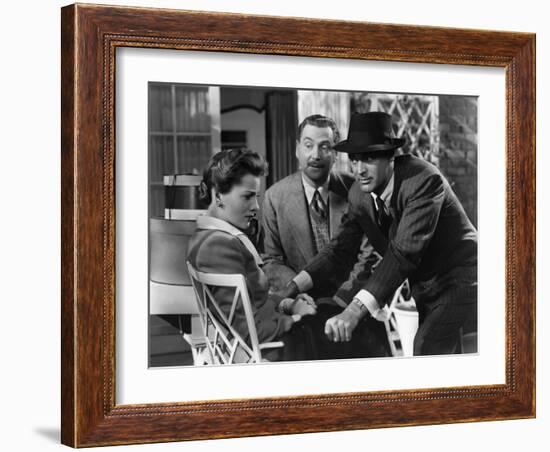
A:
x: 360, y: 305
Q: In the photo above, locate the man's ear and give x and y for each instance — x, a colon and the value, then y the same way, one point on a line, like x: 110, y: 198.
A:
x: 392, y: 162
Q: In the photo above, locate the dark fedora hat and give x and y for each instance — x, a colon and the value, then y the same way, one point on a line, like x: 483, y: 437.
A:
x: 369, y: 132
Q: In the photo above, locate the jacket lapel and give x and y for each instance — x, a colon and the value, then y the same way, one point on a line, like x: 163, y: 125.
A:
x: 398, y: 177
x: 338, y: 200
x: 298, y: 218
x: 337, y: 205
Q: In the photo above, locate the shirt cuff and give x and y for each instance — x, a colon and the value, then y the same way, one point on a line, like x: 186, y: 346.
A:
x: 303, y: 281
x: 368, y: 300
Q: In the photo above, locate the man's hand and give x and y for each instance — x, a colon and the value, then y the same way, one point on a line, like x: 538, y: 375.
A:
x: 340, y: 327
x: 289, y: 291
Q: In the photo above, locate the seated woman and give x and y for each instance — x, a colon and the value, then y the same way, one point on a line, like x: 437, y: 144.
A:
x: 231, y: 186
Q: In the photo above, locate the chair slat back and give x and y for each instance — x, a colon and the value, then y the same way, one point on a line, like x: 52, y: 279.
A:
x: 225, y: 344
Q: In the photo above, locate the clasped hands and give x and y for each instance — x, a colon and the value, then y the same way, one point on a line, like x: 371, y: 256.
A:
x: 340, y: 327
x: 304, y: 305
x: 299, y: 306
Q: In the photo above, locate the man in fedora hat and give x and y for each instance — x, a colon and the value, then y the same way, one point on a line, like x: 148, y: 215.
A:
x: 302, y: 212
x: 300, y: 215
x: 411, y: 216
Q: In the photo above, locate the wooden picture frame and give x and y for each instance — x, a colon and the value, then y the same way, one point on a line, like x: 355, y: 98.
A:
x: 90, y: 36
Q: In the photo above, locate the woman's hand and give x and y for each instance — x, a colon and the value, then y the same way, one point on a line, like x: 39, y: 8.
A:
x: 304, y: 305
x: 306, y: 297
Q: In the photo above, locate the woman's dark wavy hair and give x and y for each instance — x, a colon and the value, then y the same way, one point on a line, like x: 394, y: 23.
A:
x: 227, y: 168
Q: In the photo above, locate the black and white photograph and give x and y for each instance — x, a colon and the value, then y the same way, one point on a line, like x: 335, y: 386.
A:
x: 267, y: 226
x: 292, y: 224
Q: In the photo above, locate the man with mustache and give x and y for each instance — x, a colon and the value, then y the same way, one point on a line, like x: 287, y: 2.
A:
x: 302, y: 213
x: 411, y: 216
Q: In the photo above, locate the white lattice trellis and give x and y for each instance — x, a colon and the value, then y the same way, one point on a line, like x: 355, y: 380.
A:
x: 415, y: 118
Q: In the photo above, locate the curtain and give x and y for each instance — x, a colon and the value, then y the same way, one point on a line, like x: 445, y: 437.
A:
x: 281, y: 127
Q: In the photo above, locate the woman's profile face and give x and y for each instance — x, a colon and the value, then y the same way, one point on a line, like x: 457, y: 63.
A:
x: 240, y: 204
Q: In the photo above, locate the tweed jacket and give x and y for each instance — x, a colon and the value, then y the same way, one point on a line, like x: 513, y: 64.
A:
x: 288, y: 236
x: 218, y: 247
x: 429, y: 237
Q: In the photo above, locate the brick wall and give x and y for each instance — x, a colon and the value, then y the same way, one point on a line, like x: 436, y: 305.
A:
x: 454, y: 150
x: 458, y: 148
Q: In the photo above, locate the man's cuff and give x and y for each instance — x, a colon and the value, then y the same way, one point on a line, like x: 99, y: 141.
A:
x: 303, y: 281
x: 368, y: 300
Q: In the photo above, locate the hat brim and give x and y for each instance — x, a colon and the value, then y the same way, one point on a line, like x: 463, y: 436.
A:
x: 346, y: 146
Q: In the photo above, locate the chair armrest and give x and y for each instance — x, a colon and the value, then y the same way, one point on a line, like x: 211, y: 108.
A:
x: 271, y: 345
x: 194, y: 341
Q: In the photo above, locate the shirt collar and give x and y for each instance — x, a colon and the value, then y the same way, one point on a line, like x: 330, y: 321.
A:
x: 386, y: 195
x: 208, y: 222
x: 310, y: 189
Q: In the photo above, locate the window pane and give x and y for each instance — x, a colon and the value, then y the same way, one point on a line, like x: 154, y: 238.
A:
x: 192, y: 109
x: 161, y: 157
x: 160, y: 104
x: 193, y: 154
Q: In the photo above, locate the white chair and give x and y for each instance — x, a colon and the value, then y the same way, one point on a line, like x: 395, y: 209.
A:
x: 170, y: 291
x: 224, y: 345
x: 402, y: 325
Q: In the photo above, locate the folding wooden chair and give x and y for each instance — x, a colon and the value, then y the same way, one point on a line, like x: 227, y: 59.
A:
x: 224, y: 344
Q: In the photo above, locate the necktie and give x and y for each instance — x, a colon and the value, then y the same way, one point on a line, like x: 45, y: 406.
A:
x: 318, y: 205
x: 382, y: 218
